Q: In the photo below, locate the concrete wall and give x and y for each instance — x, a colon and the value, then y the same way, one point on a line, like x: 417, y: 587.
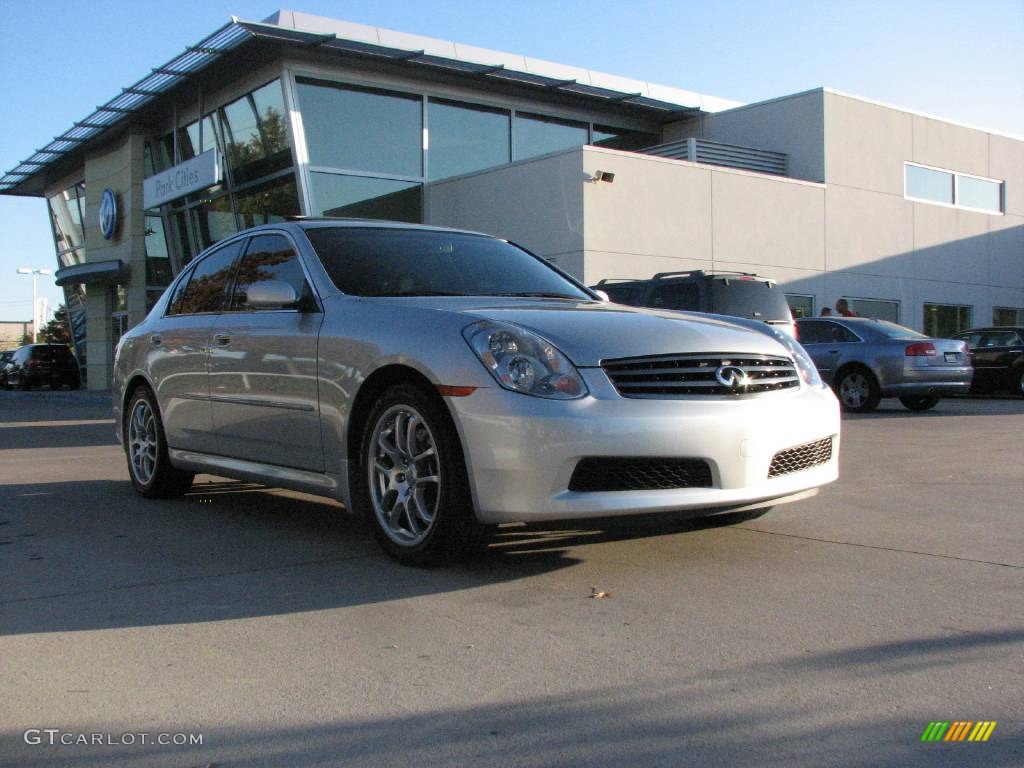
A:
x: 881, y: 245
x: 537, y: 203
x: 791, y: 124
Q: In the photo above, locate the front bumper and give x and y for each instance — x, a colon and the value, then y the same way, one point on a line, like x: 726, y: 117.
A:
x: 521, y: 451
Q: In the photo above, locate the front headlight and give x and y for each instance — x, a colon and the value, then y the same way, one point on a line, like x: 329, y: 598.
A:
x: 522, y: 361
x: 804, y: 365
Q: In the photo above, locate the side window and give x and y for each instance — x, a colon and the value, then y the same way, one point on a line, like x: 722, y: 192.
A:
x: 810, y: 332
x: 174, y: 305
x: 973, y: 339
x: 268, y: 257
x: 676, y: 296
x: 205, y: 291
x: 624, y: 293
x: 840, y: 335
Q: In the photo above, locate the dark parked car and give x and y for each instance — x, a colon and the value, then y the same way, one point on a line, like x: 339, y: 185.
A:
x: 866, y: 360
x: 998, y: 357
x: 39, y: 364
x: 737, y: 294
x: 4, y: 358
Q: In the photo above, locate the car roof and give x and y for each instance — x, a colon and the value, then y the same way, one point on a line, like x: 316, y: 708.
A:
x: 319, y: 222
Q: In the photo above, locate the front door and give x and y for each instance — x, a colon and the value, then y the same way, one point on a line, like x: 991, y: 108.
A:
x: 263, y: 366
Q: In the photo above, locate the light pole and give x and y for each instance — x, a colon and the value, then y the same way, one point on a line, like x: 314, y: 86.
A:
x: 35, y: 273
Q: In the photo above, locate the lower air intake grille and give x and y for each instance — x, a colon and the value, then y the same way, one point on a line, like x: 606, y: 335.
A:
x: 631, y: 474
x: 800, y: 458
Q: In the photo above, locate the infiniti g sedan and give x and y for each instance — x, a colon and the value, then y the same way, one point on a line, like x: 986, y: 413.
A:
x: 867, y: 359
x: 440, y: 382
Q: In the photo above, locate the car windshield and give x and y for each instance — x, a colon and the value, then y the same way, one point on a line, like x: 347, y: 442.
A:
x: 401, y: 262
x: 894, y: 331
x: 748, y: 298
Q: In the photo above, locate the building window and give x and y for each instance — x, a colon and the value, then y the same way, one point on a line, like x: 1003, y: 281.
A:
x: 539, y: 135
x: 622, y: 138
x: 366, y: 197
x: 879, y: 309
x: 362, y: 129
x: 158, y: 262
x: 800, y: 305
x: 255, y: 134
x: 945, y: 320
x: 268, y: 202
x: 935, y: 185
x: 1007, y: 316
x: 463, y: 138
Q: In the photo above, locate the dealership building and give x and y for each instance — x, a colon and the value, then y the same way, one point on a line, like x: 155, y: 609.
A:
x: 909, y: 217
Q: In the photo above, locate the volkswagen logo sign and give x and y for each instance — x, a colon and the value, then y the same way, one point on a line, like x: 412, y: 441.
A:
x: 108, y: 213
x: 733, y: 377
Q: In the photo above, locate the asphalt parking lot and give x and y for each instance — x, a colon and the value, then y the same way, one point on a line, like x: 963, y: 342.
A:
x: 829, y: 632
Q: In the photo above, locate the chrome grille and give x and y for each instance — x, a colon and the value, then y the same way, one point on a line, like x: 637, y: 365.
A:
x: 606, y: 473
x: 670, y: 376
x: 801, y: 457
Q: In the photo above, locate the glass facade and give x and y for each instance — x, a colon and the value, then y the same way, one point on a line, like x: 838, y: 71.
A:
x: 258, y: 184
x: 466, y: 138
x: 945, y: 320
x: 1007, y: 316
x: 365, y: 197
x: 881, y: 309
x: 800, y: 305
x: 539, y: 135
x: 67, y: 212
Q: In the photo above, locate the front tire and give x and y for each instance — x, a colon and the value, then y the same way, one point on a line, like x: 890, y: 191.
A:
x: 858, y: 390
x: 919, y: 402
x: 411, y: 481
x: 149, y: 464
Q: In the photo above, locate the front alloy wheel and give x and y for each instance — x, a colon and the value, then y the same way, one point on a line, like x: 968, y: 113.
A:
x: 142, y: 442
x: 405, y: 475
x: 411, y: 482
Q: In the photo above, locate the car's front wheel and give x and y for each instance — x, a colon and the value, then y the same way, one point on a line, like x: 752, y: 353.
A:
x: 149, y: 465
x: 919, y: 402
x: 412, y: 482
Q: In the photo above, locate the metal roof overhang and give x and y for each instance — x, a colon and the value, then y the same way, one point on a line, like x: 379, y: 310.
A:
x: 109, y: 271
x: 235, y: 34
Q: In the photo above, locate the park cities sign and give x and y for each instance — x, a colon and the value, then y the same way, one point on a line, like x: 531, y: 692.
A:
x: 200, y: 172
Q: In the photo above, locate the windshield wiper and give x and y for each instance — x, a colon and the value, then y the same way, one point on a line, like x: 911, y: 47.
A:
x: 542, y: 295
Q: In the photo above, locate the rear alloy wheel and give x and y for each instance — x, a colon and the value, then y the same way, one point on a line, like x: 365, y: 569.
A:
x: 919, y: 402
x: 414, y: 490
x: 146, y: 448
x: 857, y: 390
x: 1019, y: 389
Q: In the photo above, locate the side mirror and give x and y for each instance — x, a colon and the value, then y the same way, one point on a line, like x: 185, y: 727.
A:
x: 602, y: 296
x: 271, y: 294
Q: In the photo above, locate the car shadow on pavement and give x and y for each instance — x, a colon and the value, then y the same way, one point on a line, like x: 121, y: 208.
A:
x: 745, y: 714
x: 95, y: 555
x: 47, y: 433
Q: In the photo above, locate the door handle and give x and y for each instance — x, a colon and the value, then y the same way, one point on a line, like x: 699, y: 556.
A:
x: 222, y: 339
x: 156, y: 339
x: 833, y: 351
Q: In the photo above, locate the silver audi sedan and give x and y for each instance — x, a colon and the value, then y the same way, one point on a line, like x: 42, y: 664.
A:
x: 440, y: 382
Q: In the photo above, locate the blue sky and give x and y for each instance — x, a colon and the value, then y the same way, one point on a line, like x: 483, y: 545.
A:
x: 961, y: 60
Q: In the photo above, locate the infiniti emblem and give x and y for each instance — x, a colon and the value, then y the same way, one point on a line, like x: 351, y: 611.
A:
x: 733, y: 377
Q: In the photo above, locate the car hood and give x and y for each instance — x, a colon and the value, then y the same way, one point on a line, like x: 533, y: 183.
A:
x: 589, y: 332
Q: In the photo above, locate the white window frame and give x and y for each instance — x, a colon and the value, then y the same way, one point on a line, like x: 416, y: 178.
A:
x: 956, y: 189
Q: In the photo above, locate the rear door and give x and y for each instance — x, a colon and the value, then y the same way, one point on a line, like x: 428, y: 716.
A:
x: 179, y: 350
x: 993, y: 352
x: 263, y: 365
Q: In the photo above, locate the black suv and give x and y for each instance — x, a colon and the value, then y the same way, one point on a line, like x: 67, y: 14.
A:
x: 739, y: 294
x: 38, y: 364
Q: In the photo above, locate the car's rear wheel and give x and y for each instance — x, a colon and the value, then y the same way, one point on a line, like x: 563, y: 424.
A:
x: 1019, y: 388
x: 149, y: 464
x: 411, y: 482
x: 857, y: 389
x: 919, y: 402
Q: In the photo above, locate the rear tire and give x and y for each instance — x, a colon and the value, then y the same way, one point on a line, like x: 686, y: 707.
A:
x: 149, y: 464
x: 410, y: 481
x: 858, y: 390
x: 1018, y: 389
x: 919, y: 402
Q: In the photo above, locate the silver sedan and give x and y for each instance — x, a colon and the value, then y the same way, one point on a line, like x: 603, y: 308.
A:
x: 866, y: 360
x: 442, y: 382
